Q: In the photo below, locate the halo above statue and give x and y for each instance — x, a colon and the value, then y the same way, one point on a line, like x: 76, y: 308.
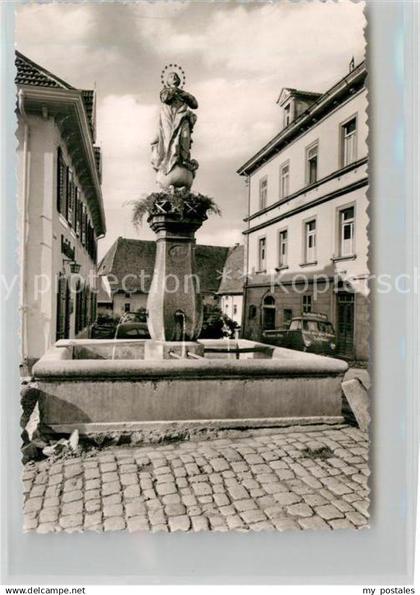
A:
x: 172, y: 68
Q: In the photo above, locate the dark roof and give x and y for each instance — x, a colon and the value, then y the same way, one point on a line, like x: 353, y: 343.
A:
x: 210, y: 261
x: 30, y: 73
x: 88, y: 97
x: 292, y: 91
x: 306, y: 93
x: 233, y: 271
x: 33, y: 79
x: 128, y: 257
x: 98, y: 161
x: 103, y: 296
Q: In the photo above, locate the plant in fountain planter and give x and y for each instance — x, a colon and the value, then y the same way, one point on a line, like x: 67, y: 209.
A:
x: 215, y: 322
x: 180, y: 203
x: 174, y: 215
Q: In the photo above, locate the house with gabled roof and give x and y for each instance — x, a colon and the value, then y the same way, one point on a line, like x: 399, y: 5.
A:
x: 128, y: 269
x: 61, y: 206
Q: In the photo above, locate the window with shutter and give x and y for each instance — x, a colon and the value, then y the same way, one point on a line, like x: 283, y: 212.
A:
x: 85, y: 307
x: 89, y: 242
x: 83, y: 225
x: 70, y: 196
x: 76, y: 212
x: 59, y: 332
x: 80, y: 218
x: 74, y: 215
x: 77, y: 314
x: 92, y: 306
x: 61, y: 183
x: 63, y: 309
x: 59, y: 180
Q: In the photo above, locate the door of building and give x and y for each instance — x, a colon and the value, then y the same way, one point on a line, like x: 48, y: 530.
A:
x: 345, y: 324
x: 269, y: 313
x: 63, y: 309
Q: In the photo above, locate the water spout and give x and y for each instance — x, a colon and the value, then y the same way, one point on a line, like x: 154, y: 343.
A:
x: 194, y: 355
x: 226, y: 337
x: 180, y: 318
x: 236, y: 332
x: 123, y: 319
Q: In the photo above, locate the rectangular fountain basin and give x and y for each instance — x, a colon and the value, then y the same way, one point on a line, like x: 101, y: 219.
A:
x: 97, y: 386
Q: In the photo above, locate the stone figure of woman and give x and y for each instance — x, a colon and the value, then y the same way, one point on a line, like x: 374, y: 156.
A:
x: 171, y: 149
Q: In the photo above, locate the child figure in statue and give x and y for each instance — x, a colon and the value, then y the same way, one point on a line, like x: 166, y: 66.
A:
x: 171, y: 149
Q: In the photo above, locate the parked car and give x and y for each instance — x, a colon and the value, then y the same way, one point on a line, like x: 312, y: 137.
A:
x: 307, y: 332
x: 103, y: 330
x: 132, y: 330
x: 216, y: 324
x: 133, y: 325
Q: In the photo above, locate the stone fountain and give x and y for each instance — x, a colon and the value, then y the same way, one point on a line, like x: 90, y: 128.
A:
x: 175, y: 378
x: 174, y: 306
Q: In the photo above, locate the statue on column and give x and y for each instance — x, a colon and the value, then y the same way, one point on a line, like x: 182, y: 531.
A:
x: 174, y: 213
x: 171, y: 149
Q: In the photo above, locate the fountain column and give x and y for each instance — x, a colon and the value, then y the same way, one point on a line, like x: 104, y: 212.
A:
x: 175, y: 313
x: 174, y: 305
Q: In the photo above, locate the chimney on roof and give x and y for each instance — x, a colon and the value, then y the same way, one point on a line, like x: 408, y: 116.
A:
x: 352, y: 64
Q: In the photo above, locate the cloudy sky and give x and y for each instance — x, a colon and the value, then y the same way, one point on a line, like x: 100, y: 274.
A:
x: 237, y: 58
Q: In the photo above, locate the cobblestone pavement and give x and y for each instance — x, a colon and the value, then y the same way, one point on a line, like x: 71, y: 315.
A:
x: 274, y: 478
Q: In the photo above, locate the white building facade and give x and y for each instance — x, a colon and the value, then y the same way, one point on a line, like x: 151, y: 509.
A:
x: 232, y: 284
x: 60, y: 200
x: 231, y: 306
x: 306, y: 237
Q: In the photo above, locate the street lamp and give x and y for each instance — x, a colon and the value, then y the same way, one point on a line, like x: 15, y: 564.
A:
x: 74, y: 266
